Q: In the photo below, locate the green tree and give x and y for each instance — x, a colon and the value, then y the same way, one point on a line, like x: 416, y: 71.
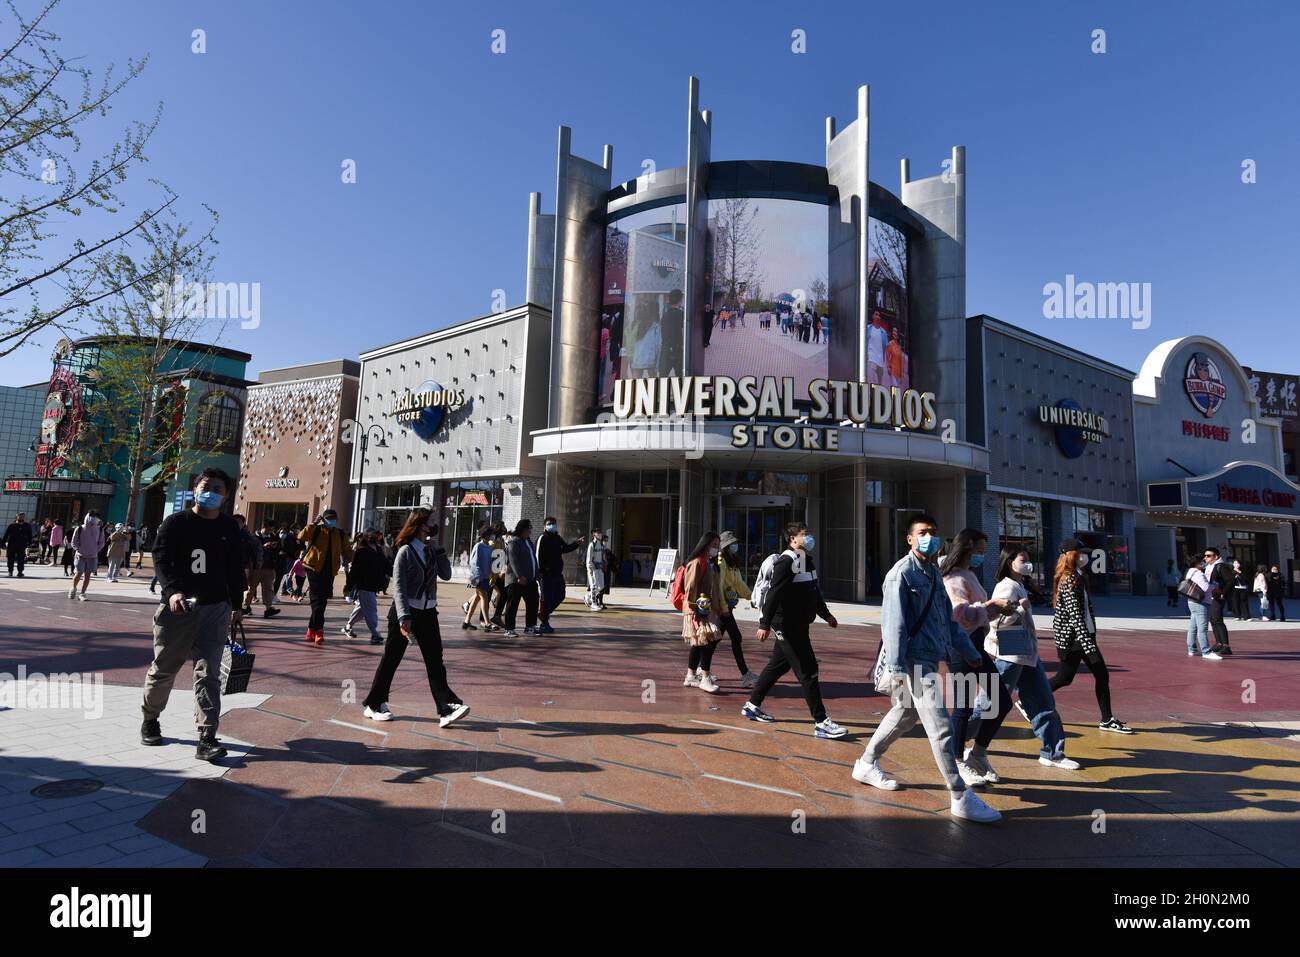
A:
x: 137, y: 399
x: 56, y: 214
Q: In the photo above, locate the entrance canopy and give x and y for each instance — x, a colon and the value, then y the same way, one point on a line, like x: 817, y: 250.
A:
x: 1239, y: 489
x: 756, y: 445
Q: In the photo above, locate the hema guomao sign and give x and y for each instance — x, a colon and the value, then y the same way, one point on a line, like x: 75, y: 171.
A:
x: 832, y: 401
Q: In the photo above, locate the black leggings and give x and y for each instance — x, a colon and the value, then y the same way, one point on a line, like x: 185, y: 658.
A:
x: 1097, y: 665
x: 733, y: 632
x: 701, y: 656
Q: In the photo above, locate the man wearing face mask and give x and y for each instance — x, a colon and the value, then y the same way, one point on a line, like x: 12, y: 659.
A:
x: 521, y: 579
x: 917, y: 630
x: 327, y: 546
x: 551, y: 549
x: 1275, y: 588
x: 793, y: 601
x: 198, y: 558
x: 87, y: 540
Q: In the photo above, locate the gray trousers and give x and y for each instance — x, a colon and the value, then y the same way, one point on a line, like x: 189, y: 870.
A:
x: 911, y: 701
x: 199, y: 635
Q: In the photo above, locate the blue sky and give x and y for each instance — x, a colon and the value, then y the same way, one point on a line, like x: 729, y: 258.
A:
x: 1119, y: 167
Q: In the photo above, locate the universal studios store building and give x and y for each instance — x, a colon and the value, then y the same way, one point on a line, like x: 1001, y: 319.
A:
x: 734, y: 345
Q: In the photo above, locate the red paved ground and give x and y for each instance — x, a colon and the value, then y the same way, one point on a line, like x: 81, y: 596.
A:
x: 567, y: 759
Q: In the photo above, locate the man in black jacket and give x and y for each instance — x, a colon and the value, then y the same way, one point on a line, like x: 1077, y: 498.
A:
x: 1220, y: 575
x: 551, y: 549
x: 793, y: 602
x: 17, y: 537
x: 199, y: 560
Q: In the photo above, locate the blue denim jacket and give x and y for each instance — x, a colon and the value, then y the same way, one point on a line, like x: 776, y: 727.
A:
x: 906, y: 590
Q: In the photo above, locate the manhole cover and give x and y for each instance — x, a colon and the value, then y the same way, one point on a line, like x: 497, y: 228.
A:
x: 67, y: 789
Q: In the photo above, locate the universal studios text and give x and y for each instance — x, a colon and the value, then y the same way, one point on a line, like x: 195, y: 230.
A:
x: 682, y: 403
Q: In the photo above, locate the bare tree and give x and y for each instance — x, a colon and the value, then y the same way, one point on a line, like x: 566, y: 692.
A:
x: 737, y: 240
x: 161, y: 302
x: 888, y: 248
x: 45, y: 100
x: 817, y: 290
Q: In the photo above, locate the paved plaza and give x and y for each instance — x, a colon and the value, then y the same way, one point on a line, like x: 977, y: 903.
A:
x: 583, y: 748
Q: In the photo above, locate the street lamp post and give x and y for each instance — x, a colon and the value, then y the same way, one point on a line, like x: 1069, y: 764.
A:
x: 361, y: 472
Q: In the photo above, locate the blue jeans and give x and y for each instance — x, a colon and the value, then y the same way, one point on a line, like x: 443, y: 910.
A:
x: 1037, y: 700
x: 1198, y: 627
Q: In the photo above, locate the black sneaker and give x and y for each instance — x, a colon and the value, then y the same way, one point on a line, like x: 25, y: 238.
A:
x: 209, y: 749
x: 1117, y: 726
x: 270, y: 613
x: 1225, y: 651
x: 376, y: 639
x: 151, y: 733
x: 248, y: 609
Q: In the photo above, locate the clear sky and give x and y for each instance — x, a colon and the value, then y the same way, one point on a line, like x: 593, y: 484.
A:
x: 1115, y: 167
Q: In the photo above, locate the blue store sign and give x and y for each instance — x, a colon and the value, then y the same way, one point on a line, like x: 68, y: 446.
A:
x: 424, y: 411
x: 1074, y: 428
x: 1241, y: 488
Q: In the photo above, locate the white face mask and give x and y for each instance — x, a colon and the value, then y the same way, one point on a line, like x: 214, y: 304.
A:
x: 1022, y: 567
x: 1082, y: 562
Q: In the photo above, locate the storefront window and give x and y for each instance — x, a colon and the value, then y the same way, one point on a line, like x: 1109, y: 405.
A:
x: 1089, y: 519
x: 466, y: 506
x: 1021, y: 526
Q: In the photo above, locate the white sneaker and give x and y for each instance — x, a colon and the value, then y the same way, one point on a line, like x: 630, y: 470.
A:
x: 870, y: 773
x: 455, y: 714
x: 978, y: 762
x: 1064, y: 763
x: 1211, y: 656
x: 969, y: 806
x: 81, y: 596
x: 1190, y: 653
x: 1266, y: 618
x: 970, y: 777
x: 72, y: 593
x: 704, y: 681
x: 692, y: 679
x: 749, y: 680
x: 383, y: 714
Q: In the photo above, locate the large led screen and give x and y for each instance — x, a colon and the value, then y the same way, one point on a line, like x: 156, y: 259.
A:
x: 642, y: 322
x: 766, y: 309
x: 888, y: 345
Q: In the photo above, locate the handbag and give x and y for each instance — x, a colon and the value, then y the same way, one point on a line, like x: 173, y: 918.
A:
x: 236, y: 661
x: 1190, y: 590
x: 1015, y: 638
x: 878, y: 673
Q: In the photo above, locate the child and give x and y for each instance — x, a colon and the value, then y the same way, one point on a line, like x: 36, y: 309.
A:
x: 299, y: 575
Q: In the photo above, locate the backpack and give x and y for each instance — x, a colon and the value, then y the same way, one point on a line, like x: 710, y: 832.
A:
x: 763, y: 582
x: 677, y: 591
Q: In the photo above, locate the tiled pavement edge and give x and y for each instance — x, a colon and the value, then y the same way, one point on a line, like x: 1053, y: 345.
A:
x: 97, y: 829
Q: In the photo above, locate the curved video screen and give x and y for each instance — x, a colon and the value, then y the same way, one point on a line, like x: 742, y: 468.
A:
x: 888, y: 343
x: 766, y: 301
x: 642, y: 312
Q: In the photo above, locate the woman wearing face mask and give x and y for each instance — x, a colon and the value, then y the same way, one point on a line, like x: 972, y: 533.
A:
x: 732, y: 582
x: 1240, y: 593
x: 1198, y: 624
x: 413, y: 616
x: 1075, y: 630
x: 971, y: 608
x: 701, y: 608
x: 1013, y: 644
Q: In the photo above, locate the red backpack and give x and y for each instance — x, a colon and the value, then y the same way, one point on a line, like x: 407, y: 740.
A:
x: 677, y: 592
